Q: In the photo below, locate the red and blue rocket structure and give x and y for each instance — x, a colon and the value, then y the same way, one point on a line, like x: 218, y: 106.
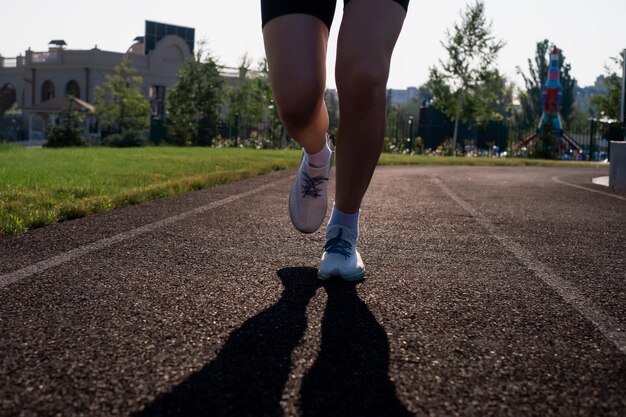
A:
x: 551, y: 101
x: 552, y: 96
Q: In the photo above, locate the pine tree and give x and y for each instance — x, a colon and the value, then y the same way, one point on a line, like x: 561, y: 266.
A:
x: 121, y: 109
x: 69, y: 131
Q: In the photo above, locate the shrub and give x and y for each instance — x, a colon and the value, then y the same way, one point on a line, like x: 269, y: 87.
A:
x: 127, y: 139
x: 69, y: 131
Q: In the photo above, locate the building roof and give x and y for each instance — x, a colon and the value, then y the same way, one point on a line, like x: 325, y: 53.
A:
x: 62, y: 103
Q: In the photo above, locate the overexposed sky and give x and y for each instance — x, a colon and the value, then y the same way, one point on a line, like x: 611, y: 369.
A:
x: 587, y: 32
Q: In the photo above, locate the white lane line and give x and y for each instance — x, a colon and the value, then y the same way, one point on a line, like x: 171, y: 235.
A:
x: 560, y: 181
x: 62, y: 258
x: 608, y: 326
x: 603, y: 181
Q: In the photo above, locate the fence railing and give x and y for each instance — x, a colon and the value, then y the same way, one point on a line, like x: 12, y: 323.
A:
x: 44, y: 57
x: 233, y: 72
x: 8, y: 62
x: 593, y: 141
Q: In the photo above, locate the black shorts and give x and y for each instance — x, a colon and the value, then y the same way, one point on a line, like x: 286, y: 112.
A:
x: 322, y: 9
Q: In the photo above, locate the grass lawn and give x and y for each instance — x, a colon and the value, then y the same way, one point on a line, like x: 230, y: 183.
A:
x: 43, y: 186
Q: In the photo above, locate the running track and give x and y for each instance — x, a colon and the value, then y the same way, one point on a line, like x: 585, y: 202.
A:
x: 489, y: 291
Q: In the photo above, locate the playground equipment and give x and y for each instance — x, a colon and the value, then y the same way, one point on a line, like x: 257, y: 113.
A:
x: 551, y: 98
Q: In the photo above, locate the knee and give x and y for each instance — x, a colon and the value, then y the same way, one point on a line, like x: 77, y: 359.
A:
x: 299, y: 103
x: 364, y: 82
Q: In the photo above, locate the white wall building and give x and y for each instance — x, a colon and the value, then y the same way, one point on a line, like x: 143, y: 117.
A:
x: 402, y: 96
x: 36, y: 77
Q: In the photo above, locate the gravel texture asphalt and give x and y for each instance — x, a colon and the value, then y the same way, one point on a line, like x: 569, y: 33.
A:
x: 489, y: 291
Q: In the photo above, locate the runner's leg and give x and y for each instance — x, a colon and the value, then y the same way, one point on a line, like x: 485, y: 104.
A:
x: 295, y: 46
x: 367, y: 36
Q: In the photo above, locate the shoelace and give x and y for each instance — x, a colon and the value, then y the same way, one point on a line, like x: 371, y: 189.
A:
x: 310, y: 184
x: 339, y: 245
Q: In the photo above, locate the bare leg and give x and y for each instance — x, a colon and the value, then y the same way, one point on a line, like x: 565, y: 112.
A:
x: 367, y: 36
x: 295, y: 46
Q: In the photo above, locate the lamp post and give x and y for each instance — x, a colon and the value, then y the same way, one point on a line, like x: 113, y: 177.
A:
x: 270, y: 111
x: 236, y: 143
x: 623, y: 107
x: 410, y: 139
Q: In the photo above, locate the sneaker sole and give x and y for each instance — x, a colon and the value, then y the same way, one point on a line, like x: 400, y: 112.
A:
x: 354, y: 277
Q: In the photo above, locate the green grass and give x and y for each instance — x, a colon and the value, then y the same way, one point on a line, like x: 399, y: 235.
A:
x: 39, y: 187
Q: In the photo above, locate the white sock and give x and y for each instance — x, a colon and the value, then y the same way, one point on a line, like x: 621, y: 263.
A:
x: 351, y: 221
x: 320, y: 159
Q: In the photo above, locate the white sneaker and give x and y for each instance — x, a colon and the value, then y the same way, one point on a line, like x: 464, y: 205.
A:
x: 308, y: 200
x: 340, y: 256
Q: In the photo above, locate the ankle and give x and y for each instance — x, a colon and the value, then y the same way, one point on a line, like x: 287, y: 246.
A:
x: 319, y: 159
x: 349, y: 220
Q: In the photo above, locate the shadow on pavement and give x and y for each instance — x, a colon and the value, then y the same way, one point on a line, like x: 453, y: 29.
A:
x: 248, y: 376
x: 350, y: 376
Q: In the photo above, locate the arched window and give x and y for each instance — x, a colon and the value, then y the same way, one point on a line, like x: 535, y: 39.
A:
x: 73, y: 89
x: 8, y: 97
x: 47, y: 91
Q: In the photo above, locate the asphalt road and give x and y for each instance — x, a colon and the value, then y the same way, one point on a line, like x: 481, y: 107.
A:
x: 489, y: 291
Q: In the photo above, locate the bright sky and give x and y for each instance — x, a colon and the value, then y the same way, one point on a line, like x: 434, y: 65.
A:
x: 589, y: 33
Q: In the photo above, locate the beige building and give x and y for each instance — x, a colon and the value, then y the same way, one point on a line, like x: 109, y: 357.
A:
x: 28, y: 81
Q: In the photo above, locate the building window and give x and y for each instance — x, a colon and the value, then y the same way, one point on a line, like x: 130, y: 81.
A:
x: 47, y: 91
x: 73, y: 89
x: 157, y: 101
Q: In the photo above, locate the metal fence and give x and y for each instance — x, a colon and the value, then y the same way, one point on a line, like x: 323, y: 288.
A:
x: 266, y: 135
x: 12, y: 128
x: 593, y: 139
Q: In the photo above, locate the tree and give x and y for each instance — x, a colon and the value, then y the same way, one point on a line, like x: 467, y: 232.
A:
x: 494, y: 96
x: 252, y: 112
x: 460, y: 84
x: 609, y: 104
x: 332, y: 105
x: 69, y: 131
x: 267, y: 109
x: 248, y: 100
x: 194, y: 102
x: 530, y: 99
x: 579, y: 120
x: 121, y: 108
x: 240, y: 100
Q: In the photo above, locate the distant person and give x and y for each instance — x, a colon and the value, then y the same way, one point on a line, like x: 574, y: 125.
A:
x: 296, y: 37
